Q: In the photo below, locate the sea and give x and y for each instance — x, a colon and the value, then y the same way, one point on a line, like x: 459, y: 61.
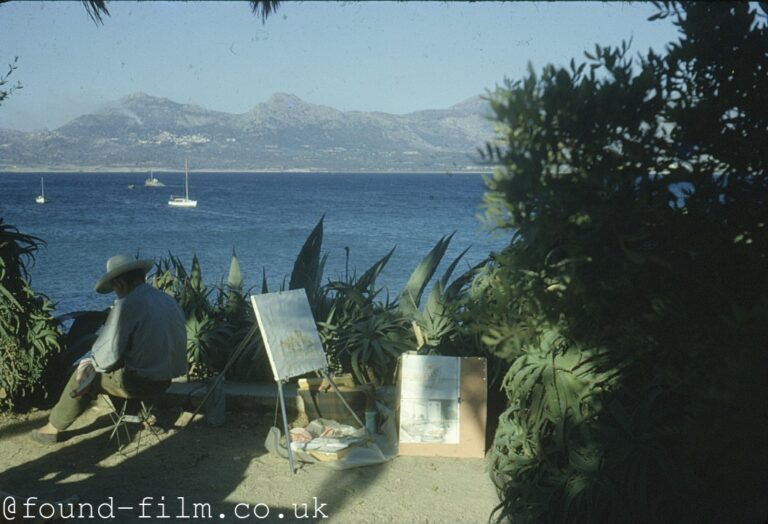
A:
x: 262, y: 217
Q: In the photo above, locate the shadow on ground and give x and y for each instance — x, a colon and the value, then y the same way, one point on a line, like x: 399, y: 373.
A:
x: 193, y: 473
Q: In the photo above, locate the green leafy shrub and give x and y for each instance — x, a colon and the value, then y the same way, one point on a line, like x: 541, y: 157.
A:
x: 28, y: 333
x: 631, y: 302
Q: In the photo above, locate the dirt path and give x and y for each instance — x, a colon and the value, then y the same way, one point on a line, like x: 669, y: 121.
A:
x: 225, y: 474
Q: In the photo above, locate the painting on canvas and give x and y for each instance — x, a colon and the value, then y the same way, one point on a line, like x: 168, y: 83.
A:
x: 289, y: 333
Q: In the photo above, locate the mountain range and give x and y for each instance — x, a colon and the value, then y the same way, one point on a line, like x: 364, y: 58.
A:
x: 142, y: 132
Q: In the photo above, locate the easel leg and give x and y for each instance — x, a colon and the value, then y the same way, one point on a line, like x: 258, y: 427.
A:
x: 285, y: 426
x: 325, y: 374
x: 232, y: 359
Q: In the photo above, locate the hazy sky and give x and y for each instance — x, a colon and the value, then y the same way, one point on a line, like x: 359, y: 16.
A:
x: 369, y: 56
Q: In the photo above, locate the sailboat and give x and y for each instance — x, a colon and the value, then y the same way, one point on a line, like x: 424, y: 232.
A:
x: 183, y: 201
x: 153, y: 181
x: 40, y: 199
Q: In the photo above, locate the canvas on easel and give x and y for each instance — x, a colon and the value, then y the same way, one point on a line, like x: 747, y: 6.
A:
x: 289, y: 333
x: 292, y: 343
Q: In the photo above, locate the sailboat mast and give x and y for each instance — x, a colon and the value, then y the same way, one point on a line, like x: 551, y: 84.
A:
x: 42, y: 187
x: 186, y: 180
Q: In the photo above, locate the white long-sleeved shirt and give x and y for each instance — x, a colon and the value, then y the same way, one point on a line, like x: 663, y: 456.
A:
x: 145, y: 332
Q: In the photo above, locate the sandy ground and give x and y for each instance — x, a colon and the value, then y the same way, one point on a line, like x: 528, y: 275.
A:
x: 225, y: 474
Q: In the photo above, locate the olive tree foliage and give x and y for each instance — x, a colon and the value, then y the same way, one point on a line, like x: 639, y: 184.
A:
x: 97, y: 9
x: 6, y: 87
x: 632, y: 301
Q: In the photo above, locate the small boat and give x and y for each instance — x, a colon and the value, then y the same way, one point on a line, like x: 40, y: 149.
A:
x: 152, y: 181
x: 131, y: 186
x: 185, y: 200
x: 40, y: 199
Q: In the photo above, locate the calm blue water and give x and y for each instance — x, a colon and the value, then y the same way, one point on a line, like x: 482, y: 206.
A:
x: 265, y: 217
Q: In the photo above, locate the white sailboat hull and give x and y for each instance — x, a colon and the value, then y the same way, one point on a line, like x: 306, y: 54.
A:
x: 40, y: 199
x: 182, y: 202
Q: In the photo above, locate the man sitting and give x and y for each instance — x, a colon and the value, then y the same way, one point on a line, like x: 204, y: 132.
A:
x: 140, y: 349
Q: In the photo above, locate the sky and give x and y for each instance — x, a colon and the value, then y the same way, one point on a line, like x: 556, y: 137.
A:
x: 394, y: 57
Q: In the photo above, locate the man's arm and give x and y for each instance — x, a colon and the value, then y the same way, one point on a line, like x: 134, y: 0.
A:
x: 108, y: 350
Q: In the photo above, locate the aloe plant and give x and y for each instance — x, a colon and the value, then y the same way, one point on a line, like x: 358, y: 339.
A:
x: 29, y: 335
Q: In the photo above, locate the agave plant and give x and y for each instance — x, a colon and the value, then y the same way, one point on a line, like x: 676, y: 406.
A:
x: 221, y: 326
x: 366, y: 337
x: 244, y: 343
x: 188, y: 288
x: 204, y: 335
x: 441, y: 320
x: 362, y: 332
x: 361, y: 335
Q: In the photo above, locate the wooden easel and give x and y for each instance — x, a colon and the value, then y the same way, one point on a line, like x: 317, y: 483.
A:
x: 293, y: 346
x: 324, y: 373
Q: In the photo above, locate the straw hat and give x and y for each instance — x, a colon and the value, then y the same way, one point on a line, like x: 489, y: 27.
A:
x: 116, y: 266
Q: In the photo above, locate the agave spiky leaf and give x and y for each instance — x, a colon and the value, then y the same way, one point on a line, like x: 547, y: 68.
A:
x: 367, y: 282
x: 234, y: 278
x: 449, y: 271
x: 196, y: 277
x: 453, y: 290
x: 438, y: 294
x: 308, y: 264
x: 411, y: 295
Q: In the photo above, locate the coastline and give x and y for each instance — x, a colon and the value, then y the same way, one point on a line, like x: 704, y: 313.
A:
x: 131, y: 170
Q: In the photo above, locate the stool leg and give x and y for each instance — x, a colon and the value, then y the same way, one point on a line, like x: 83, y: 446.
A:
x: 118, y: 421
x: 149, y: 424
x: 121, y: 418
